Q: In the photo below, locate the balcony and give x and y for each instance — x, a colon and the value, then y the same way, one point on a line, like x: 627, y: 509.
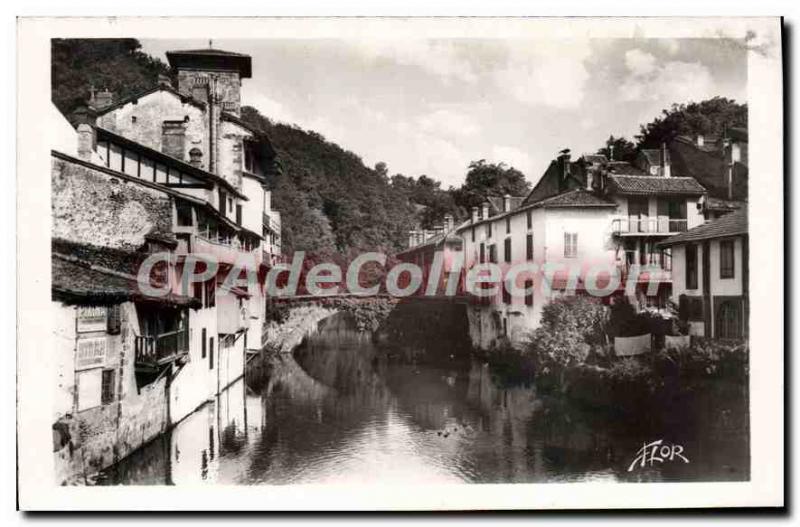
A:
x: 660, y: 226
x: 152, y: 351
x: 226, y: 250
x: 659, y: 269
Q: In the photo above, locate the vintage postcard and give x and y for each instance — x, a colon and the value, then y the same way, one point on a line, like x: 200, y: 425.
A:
x: 400, y: 264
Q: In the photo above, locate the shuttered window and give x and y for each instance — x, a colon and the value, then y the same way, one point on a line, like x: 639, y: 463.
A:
x: 691, y: 266
x: 726, y: 259
x: 529, y: 247
x: 570, y: 244
x: 529, y: 292
x: 114, y: 321
x: 107, y: 387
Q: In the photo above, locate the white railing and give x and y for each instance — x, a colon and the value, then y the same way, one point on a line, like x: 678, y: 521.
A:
x: 647, y: 225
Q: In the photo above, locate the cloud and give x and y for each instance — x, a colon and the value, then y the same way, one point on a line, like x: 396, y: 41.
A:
x: 673, y: 81
x: 513, y: 157
x: 267, y: 106
x: 548, y: 73
x: 639, y: 63
x: 670, y: 45
x: 443, y: 58
x: 449, y: 123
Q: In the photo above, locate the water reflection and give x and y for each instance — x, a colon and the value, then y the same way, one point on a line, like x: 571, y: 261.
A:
x: 342, y: 409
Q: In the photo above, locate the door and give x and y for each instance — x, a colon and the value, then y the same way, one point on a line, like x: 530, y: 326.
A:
x: 728, y: 319
x: 637, y: 214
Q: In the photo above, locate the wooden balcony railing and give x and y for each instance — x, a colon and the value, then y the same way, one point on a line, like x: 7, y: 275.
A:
x: 661, y: 225
x: 160, y: 349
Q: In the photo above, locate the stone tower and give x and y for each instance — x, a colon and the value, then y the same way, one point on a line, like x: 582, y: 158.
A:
x: 205, y: 71
x: 214, y: 77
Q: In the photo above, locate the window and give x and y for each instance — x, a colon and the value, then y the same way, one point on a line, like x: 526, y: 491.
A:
x: 238, y: 214
x: 529, y: 292
x: 506, y: 293
x: 230, y: 203
x: 473, y: 233
x: 530, y: 219
x: 529, y: 247
x: 508, y: 224
x: 184, y: 213
x: 691, y: 266
x: 113, y: 320
x: 493, y: 253
x: 507, y: 250
x: 107, y: 387
x: 489, y: 230
x: 482, y: 258
x: 203, y: 344
x: 210, y: 289
x: 726, y: 259
x: 211, y: 353
x: 570, y: 244
x: 222, y: 202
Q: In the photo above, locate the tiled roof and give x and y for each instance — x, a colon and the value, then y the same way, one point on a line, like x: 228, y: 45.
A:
x: 108, y: 277
x: 211, y: 59
x: 653, y: 155
x: 732, y: 224
x: 723, y: 204
x: 623, y: 168
x: 738, y: 134
x: 594, y: 158
x: 158, y: 87
x: 574, y: 198
x: 655, y: 185
x: 206, y: 51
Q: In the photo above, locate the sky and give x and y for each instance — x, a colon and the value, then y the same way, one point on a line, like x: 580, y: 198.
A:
x: 433, y: 106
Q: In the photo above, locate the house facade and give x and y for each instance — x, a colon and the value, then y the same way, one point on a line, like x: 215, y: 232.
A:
x: 711, y: 276
x: 591, y: 224
x: 172, y: 171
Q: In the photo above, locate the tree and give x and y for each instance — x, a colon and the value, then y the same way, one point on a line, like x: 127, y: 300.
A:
x: 618, y: 149
x: 489, y: 179
x: 709, y: 117
x: 115, y: 64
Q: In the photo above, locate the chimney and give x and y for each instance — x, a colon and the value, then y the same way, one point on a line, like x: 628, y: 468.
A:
x: 485, y: 210
x: 196, y: 157
x: 700, y: 140
x: 87, y: 141
x: 448, y: 222
x: 102, y: 99
x: 412, y: 238
x: 563, y: 164
x: 83, y: 115
x: 173, y: 139
x: 611, y: 152
x: 666, y: 168
x: 507, y: 203
x: 474, y: 214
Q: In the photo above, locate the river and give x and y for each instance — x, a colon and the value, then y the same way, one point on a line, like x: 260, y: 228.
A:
x: 343, y: 408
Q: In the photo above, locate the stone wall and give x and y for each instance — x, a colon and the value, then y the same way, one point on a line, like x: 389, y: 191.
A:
x: 301, y: 322
x: 143, y: 122
x: 92, y: 207
x: 87, y: 442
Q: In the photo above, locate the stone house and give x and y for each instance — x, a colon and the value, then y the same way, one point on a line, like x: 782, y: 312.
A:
x: 173, y: 170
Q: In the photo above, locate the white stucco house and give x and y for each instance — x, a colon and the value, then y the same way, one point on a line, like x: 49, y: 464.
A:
x: 710, y: 275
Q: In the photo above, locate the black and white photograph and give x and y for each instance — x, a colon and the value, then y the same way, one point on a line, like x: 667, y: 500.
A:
x: 354, y: 255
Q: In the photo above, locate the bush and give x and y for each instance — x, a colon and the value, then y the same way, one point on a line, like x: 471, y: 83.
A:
x: 571, y: 326
x: 705, y: 358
